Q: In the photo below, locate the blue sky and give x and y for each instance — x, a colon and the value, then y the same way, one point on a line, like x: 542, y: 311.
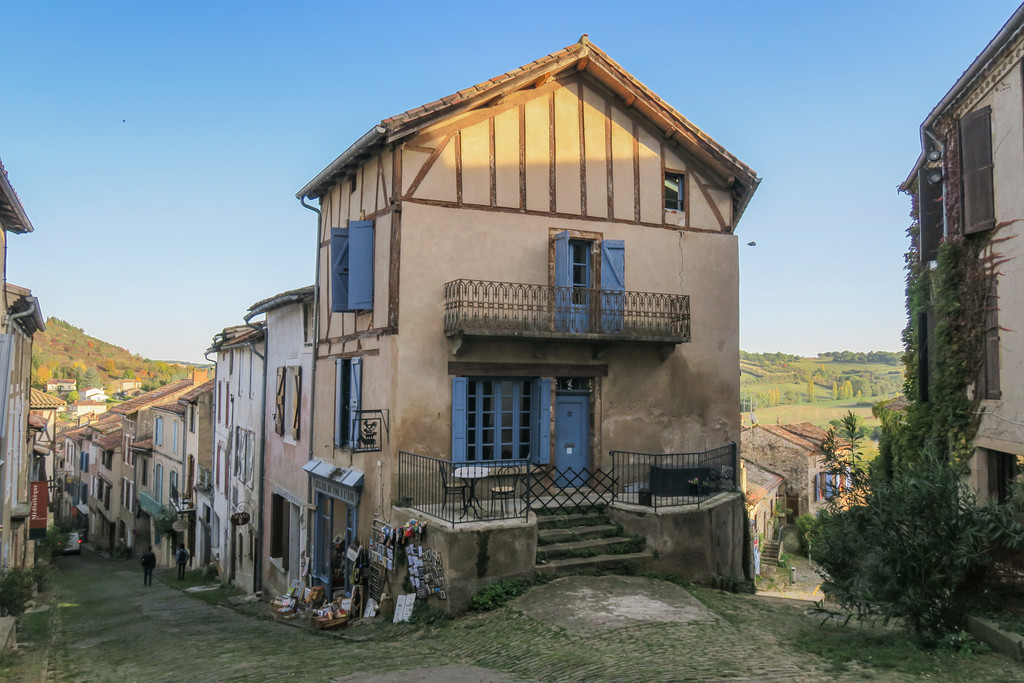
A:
x: 157, y: 147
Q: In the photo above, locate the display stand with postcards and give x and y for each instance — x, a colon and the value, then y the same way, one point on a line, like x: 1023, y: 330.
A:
x: 297, y: 600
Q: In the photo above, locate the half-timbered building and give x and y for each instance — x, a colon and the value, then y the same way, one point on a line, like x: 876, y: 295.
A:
x: 537, y: 273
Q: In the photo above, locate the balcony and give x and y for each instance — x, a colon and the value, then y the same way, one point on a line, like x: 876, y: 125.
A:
x: 511, y: 310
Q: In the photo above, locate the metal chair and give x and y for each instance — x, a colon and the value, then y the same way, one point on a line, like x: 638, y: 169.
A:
x: 451, y: 490
x: 504, y: 489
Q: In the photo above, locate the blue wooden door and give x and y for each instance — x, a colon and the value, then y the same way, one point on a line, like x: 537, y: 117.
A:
x: 572, y: 438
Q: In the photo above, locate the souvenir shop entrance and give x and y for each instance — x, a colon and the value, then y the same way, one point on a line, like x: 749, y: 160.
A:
x: 334, y: 535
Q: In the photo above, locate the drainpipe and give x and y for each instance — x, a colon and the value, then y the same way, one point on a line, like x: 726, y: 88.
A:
x: 257, y: 573
x: 311, y: 519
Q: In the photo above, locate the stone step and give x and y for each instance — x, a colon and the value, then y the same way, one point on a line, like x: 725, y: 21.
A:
x: 576, y: 533
x: 593, y: 546
x: 575, y: 565
x: 563, y: 521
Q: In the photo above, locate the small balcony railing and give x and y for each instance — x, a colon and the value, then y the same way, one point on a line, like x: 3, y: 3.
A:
x: 667, y: 479
x: 512, y: 309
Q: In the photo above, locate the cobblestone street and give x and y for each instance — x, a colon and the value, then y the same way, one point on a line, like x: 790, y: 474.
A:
x: 107, y: 626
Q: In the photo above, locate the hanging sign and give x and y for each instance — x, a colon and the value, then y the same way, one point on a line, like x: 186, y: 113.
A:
x: 239, y: 518
x: 38, y: 502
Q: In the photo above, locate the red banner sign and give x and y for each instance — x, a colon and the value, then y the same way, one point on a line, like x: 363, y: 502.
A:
x: 38, y: 503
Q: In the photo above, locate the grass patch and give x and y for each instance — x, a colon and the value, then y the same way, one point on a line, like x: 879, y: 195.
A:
x: 498, y: 594
x: 856, y: 646
x: 196, y: 578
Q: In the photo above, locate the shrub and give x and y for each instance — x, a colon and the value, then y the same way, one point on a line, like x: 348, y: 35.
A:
x: 16, y: 588
x: 911, y: 548
x: 805, y: 525
x: 498, y: 594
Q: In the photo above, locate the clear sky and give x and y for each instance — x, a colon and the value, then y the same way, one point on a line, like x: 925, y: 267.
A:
x: 157, y: 147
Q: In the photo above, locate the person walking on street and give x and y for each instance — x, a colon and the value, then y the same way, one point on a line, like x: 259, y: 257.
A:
x: 183, y: 558
x: 148, y: 562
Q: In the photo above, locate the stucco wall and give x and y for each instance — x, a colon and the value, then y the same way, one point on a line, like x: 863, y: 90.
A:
x: 695, y: 543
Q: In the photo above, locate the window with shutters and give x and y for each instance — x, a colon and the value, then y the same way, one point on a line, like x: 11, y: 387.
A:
x: 158, y: 431
x: 499, y: 418
x: 288, y: 412
x: 352, y: 267
x: 590, y: 283
x: 988, y: 378
x: 348, y: 382
x: 976, y: 171
x: 279, y: 401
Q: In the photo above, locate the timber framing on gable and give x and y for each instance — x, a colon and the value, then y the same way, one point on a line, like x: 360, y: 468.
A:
x: 585, y: 63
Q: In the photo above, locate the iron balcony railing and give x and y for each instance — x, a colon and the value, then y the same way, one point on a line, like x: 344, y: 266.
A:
x: 661, y: 480
x: 511, y: 309
x: 460, y: 492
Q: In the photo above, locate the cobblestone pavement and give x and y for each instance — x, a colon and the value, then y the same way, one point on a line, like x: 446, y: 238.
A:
x: 109, y: 627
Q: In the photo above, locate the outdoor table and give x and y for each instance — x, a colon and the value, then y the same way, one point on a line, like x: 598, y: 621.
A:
x: 472, y: 474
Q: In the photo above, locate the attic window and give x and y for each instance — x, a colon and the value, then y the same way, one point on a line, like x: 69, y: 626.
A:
x: 675, y: 192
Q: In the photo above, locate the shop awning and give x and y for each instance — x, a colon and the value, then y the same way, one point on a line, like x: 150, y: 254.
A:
x: 351, y: 478
x: 83, y: 509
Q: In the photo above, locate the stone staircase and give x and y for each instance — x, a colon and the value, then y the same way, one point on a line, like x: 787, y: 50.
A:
x: 580, y: 542
x: 770, y: 553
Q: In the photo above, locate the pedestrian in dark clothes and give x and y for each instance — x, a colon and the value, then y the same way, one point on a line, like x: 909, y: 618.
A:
x: 183, y: 558
x: 148, y: 562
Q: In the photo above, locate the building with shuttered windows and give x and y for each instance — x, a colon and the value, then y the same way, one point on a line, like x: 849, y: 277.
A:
x: 539, y: 269
x: 967, y: 184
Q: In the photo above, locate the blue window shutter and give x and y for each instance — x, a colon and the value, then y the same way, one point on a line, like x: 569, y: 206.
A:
x: 355, y: 399
x: 829, y: 486
x: 360, y: 269
x: 339, y: 401
x: 339, y: 270
x: 563, y: 268
x: 542, y: 425
x: 563, y: 275
x: 460, y: 388
x: 817, y: 486
x: 613, y: 284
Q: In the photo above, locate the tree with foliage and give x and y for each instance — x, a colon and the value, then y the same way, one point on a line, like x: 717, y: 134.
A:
x: 909, y: 548
x: 109, y: 366
x: 90, y: 380
x: 128, y: 374
x: 810, y: 390
x: 73, y: 396
x: 835, y: 391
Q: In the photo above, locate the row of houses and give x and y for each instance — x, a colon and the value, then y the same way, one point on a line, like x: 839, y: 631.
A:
x: 25, y: 430
x: 519, y: 289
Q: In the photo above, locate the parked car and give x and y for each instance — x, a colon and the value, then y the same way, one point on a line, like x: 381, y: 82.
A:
x: 73, y: 546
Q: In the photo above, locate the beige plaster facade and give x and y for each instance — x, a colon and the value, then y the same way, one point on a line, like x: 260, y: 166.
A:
x: 479, y: 186
x: 982, y: 117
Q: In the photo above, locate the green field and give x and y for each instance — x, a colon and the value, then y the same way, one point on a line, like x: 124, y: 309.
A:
x: 776, y: 390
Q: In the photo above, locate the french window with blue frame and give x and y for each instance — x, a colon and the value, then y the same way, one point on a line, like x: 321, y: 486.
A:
x: 352, y: 267
x: 501, y: 418
x: 575, y: 277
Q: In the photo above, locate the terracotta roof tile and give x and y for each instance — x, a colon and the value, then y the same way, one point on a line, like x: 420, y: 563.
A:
x: 144, y: 445
x: 109, y: 442
x: 760, y: 482
x: 171, y: 407
x: 36, y: 421
x: 192, y: 396
x: 167, y: 392
x: 40, y: 399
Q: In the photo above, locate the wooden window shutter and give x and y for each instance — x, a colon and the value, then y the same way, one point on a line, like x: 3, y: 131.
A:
x: 540, y: 437
x: 989, y: 379
x: 976, y: 170
x: 354, y: 399
x: 339, y: 269
x: 297, y: 408
x: 460, y: 390
x: 563, y: 266
x: 360, y: 265
x: 613, y: 284
x: 340, y: 402
x: 929, y: 207
x: 279, y: 403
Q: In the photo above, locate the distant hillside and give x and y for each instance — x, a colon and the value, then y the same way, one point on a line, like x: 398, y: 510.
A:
x: 66, y: 351
x: 780, y: 386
